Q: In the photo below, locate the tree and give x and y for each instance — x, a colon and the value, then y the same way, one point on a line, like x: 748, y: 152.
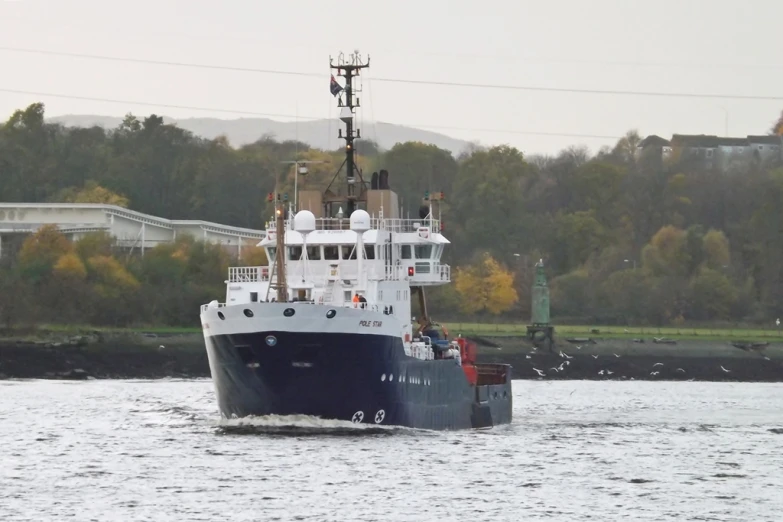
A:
x: 667, y: 252
x: 485, y: 286
x: 91, y: 193
x: 777, y: 128
x: 41, y: 251
x: 713, y: 295
x: 717, y: 253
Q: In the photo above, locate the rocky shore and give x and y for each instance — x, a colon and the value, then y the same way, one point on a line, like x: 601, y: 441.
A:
x: 650, y: 359
x: 149, y: 356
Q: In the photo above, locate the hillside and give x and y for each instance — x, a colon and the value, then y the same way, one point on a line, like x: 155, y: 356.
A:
x: 320, y: 134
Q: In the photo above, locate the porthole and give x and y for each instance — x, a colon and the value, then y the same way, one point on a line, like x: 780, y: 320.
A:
x: 270, y: 340
x: 288, y: 312
x: 248, y: 312
x: 331, y: 313
x: 222, y: 317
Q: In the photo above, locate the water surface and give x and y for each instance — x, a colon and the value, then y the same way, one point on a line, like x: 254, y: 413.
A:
x: 156, y: 450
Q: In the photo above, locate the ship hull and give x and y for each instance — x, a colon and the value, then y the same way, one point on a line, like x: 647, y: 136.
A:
x: 354, y: 376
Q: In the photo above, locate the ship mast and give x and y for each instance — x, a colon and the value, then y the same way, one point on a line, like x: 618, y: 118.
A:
x: 349, y: 68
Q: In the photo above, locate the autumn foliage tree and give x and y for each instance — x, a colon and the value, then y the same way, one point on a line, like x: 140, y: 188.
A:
x: 485, y: 287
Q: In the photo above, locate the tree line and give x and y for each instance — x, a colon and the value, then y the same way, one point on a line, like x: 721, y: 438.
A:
x: 627, y: 237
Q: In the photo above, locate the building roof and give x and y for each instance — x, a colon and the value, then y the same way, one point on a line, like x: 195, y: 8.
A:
x: 733, y: 142
x: 695, y: 140
x: 768, y: 139
x: 653, y: 141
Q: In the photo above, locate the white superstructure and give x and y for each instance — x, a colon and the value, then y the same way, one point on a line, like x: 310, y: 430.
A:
x: 330, y: 260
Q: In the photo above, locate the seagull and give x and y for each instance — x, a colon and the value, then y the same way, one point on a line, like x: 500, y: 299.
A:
x: 680, y: 370
x: 601, y: 372
x: 560, y: 369
x: 554, y: 369
x: 595, y: 357
x: 578, y: 346
x: 657, y: 364
x: 724, y: 369
x: 609, y: 372
x: 528, y: 357
x: 654, y: 373
x: 616, y: 355
x: 766, y: 358
x: 625, y: 330
x: 540, y: 373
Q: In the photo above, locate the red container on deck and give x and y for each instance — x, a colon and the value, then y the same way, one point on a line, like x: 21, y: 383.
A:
x: 467, y: 351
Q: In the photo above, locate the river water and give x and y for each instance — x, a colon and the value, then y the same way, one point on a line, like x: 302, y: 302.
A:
x: 599, y: 451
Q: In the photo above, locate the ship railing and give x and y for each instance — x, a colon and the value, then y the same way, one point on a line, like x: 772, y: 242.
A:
x: 431, y: 272
x: 388, y: 224
x: 248, y: 274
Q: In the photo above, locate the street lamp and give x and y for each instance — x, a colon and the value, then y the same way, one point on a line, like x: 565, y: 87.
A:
x: 301, y: 168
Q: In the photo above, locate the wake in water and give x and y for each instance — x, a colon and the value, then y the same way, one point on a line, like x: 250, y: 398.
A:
x: 298, y: 425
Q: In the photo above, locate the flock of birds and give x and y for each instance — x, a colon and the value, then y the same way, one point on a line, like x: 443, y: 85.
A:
x: 605, y: 372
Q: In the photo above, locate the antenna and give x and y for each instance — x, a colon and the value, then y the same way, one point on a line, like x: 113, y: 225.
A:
x: 349, y: 68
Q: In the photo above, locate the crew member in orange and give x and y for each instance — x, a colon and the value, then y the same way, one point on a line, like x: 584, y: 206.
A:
x: 355, y: 300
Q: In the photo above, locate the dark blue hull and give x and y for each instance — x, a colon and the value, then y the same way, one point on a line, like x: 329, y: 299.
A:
x: 354, y: 377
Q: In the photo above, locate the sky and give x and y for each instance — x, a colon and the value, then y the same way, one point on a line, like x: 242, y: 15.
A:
x: 695, y: 47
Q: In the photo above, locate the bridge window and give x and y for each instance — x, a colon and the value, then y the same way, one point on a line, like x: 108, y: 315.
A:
x: 423, y: 251
x: 369, y: 252
x: 294, y: 253
x: 314, y: 253
x: 331, y: 252
x: 349, y: 252
x: 405, y: 252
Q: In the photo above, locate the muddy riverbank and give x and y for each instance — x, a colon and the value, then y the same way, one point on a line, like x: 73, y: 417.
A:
x: 149, y: 356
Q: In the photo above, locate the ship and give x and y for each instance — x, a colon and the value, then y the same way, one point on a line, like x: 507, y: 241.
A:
x: 336, y: 325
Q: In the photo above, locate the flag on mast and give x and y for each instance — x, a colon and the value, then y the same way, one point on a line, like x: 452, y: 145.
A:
x: 334, y: 87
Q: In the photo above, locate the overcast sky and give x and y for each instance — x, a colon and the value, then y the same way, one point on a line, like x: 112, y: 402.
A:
x: 670, y: 46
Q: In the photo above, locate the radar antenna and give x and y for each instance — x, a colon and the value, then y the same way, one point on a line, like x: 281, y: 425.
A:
x: 348, y: 67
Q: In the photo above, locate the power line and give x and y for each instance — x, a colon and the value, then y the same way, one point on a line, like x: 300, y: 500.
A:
x: 408, y: 81
x: 312, y: 118
x: 163, y: 105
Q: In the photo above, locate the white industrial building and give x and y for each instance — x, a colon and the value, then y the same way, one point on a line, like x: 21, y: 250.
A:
x: 131, y: 229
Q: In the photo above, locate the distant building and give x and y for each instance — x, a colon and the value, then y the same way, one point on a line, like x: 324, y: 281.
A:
x: 713, y: 152
x: 656, y: 143
x: 132, y: 230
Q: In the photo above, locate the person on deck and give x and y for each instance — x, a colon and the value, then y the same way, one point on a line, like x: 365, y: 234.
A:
x: 355, y: 300
x: 363, y: 301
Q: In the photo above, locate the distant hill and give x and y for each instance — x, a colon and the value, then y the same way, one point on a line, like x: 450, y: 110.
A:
x: 318, y: 133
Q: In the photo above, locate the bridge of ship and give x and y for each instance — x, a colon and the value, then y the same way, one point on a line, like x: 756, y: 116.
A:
x: 394, y: 249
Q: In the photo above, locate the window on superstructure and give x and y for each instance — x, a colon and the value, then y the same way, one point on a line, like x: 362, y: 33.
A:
x: 349, y: 252
x: 314, y: 253
x: 271, y: 252
x: 369, y: 252
x: 405, y: 251
x: 331, y: 252
x: 423, y: 251
x: 294, y: 253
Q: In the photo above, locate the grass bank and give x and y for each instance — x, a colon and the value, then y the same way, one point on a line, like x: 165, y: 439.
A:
x: 467, y: 329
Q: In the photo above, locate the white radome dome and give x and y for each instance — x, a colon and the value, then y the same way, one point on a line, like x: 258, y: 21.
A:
x: 304, y: 222
x: 360, y: 221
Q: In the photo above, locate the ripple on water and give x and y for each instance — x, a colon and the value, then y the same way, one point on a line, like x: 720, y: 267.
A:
x: 155, y: 450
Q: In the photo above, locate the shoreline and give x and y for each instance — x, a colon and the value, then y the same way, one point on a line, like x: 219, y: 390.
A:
x: 137, y: 355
